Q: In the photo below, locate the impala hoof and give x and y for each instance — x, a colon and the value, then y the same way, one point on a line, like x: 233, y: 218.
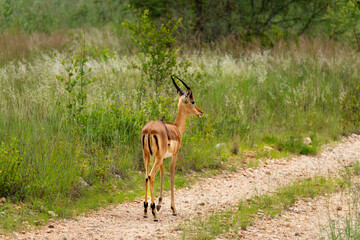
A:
x: 158, y: 207
x: 155, y: 220
x: 145, y: 216
x: 174, y: 214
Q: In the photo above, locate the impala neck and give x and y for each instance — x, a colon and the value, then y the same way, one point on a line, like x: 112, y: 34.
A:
x: 180, y: 119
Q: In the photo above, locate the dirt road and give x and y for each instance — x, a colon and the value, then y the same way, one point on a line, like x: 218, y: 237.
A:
x: 125, y: 221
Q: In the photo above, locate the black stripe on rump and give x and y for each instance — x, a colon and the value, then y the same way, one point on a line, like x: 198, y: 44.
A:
x: 149, y: 144
x: 157, y: 142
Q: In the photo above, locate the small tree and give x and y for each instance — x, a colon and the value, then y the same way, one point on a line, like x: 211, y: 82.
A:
x: 345, y: 17
x: 157, y: 58
x: 76, y: 81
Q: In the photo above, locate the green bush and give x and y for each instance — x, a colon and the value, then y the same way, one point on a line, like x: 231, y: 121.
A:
x: 15, y: 173
x: 351, y: 107
x: 158, y: 55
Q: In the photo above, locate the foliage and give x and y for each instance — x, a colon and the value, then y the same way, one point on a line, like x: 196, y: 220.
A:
x: 15, y: 174
x: 284, y: 95
x: 345, y: 17
x: 351, y: 106
x: 210, y: 21
x: 76, y: 81
x: 52, y: 15
x: 158, y: 56
x: 262, y: 22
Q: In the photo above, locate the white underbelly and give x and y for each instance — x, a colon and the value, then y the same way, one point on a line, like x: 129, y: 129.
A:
x: 168, y: 154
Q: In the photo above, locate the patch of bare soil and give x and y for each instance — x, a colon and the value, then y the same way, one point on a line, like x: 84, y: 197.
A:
x: 125, y: 220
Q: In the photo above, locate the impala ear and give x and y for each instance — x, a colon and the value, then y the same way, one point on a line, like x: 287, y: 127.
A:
x: 189, y: 93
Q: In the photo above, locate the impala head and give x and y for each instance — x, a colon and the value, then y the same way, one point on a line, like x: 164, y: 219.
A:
x: 186, y: 100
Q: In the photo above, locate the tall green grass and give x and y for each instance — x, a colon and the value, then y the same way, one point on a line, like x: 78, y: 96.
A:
x: 273, y: 97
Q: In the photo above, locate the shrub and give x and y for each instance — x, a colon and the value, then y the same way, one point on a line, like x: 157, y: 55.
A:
x: 76, y: 81
x: 158, y: 56
x: 351, y: 107
x: 14, y: 172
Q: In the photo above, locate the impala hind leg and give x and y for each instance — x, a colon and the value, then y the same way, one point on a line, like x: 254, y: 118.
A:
x: 172, y: 181
x: 146, y: 163
x: 157, y: 164
x: 162, y: 172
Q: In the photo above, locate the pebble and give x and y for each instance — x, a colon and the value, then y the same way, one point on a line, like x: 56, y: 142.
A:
x: 52, y: 213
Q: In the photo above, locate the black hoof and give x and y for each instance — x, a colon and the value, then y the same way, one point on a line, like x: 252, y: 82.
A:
x: 145, y: 216
x: 174, y: 214
x: 155, y: 220
x: 158, y: 207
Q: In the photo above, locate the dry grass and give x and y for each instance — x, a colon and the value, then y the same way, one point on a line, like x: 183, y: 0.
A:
x: 18, y: 45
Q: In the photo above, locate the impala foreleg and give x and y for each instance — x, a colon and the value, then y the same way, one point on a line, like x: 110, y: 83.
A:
x: 157, y: 164
x: 172, y: 181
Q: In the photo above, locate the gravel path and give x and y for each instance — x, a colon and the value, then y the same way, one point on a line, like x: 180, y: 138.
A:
x: 125, y: 220
x: 307, y: 219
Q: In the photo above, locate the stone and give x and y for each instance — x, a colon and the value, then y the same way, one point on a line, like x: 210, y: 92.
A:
x: 307, y: 141
x: 83, y: 184
x: 220, y: 146
x: 52, y: 213
x: 268, y: 148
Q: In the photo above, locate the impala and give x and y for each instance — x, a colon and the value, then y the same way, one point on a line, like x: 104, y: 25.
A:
x: 163, y: 140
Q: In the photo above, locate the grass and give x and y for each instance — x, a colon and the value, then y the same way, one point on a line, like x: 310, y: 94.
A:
x: 230, y: 221
x: 266, y: 98
x: 349, y: 227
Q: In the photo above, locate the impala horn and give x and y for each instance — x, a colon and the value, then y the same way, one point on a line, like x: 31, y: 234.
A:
x: 177, y: 87
x: 187, y: 87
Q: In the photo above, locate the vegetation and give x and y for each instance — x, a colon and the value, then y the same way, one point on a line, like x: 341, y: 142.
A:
x: 345, y: 17
x: 73, y: 102
x: 349, y: 228
x: 268, y: 205
x: 156, y: 45
x: 230, y: 221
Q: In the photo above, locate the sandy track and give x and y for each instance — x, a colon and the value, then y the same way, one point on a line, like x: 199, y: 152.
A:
x: 125, y: 221
x: 306, y: 220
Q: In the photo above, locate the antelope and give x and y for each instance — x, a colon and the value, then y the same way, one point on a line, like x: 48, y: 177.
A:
x: 163, y: 140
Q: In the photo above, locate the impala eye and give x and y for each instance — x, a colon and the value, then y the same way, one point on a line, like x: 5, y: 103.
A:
x: 192, y: 102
